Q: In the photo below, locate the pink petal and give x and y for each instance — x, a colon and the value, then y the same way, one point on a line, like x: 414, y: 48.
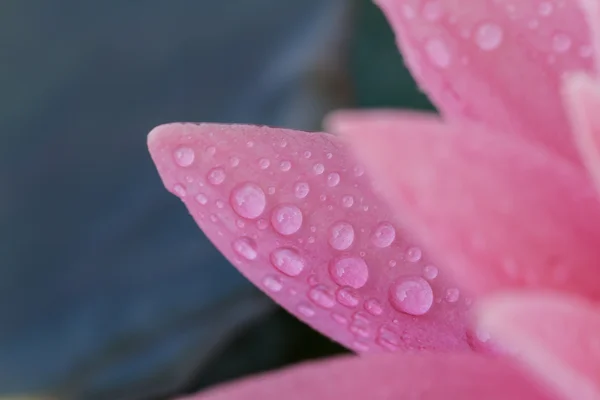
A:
x: 556, y: 335
x: 591, y: 10
x: 295, y: 214
x: 495, y: 61
x: 496, y: 210
x: 582, y: 99
x: 386, y: 377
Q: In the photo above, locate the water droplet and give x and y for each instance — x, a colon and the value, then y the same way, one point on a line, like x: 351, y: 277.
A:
x: 264, y: 163
x: 359, y: 170
x: 211, y: 150
x: 262, y: 224
x: 383, y: 235
x: 307, y: 154
x: 250, y: 143
x: 318, y: 169
x: 489, y: 36
x: 347, y: 201
x: 179, y: 190
x: 561, y: 43
x: 408, y: 11
x: 413, y: 254
x: 452, y: 295
x: 285, y: 166
x: 272, y: 283
x: 545, y: 8
x: 430, y: 272
x: 220, y: 203
x: 287, y: 261
x: 283, y: 143
x: 201, y: 198
x: 374, y: 307
x: 359, y: 330
x: 287, y: 219
x: 271, y: 190
x: 216, y: 176
x: 245, y: 247
x: 234, y: 161
x: 347, y: 297
x: 312, y: 280
x: 306, y: 310
x: 432, y: 10
x: 411, y: 295
x: 321, y: 296
x: 333, y: 179
x: 339, y: 318
x: 341, y: 235
x: 301, y: 190
x: 248, y: 200
x: 349, y: 271
x: 184, y: 156
x: 438, y: 52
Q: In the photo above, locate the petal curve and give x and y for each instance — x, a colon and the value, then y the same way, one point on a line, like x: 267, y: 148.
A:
x: 295, y: 213
x: 403, y: 376
x: 497, y: 211
x: 496, y: 62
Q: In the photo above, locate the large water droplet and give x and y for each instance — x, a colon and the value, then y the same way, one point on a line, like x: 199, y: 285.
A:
x: 347, y: 297
x: 349, y: 271
x: 216, y: 176
x: 321, y: 296
x: 184, y: 156
x: 383, y: 235
x: 438, y: 52
x: 561, y: 43
x: 248, y: 200
x: 488, y: 37
x: 288, y: 261
x: 333, y: 179
x: 287, y: 219
x: 341, y: 235
x: 411, y: 295
x: 245, y: 247
x: 301, y: 190
x: 272, y: 283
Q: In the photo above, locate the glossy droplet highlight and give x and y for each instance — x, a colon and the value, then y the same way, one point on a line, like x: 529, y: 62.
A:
x: 306, y: 310
x: 285, y: 166
x: 287, y: 219
x: 287, y: 261
x: 201, y: 198
x: 430, y: 272
x: 432, y: 10
x: 301, y: 190
x: 438, y: 53
x: 272, y: 283
x: 245, y: 247
x: 179, y: 190
x: 264, y: 163
x: 321, y: 296
x: 383, y: 235
x: 411, y: 295
x: 374, y: 307
x: 216, y: 176
x: 184, y: 156
x: 248, y: 200
x: 488, y: 37
x: 347, y: 297
x: 318, y: 169
x: 341, y: 235
x: 333, y: 179
x: 452, y: 295
x: 347, y: 201
x: 349, y: 271
x: 414, y: 254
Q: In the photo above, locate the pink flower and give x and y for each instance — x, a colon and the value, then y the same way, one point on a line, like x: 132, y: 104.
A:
x: 388, y: 234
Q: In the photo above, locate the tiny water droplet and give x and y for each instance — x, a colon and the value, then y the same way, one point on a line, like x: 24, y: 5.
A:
x: 411, y: 295
x: 347, y: 201
x: 250, y: 143
x: 452, y: 295
x: 287, y: 219
x: 272, y: 283
x: 430, y: 272
x: 271, y: 190
x: 179, y: 190
x: 264, y: 163
x: 318, y: 169
x: 322, y: 197
x: 374, y: 307
x: 347, y: 297
x: 211, y: 150
x: 561, y: 43
x: 306, y: 310
x: 245, y: 247
x: 307, y: 154
x: 321, y: 296
x: 489, y: 36
x: 339, y: 318
x: 333, y: 179
x: 220, y: 203
x: 359, y: 170
x: 383, y: 235
x: 184, y: 156
x: 285, y: 166
x: 438, y: 53
x: 248, y: 200
x: 349, y: 271
x: 201, y: 198
x: 262, y: 224
x: 341, y: 235
x: 234, y: 161
x: 216, y: 176
x: 301, y: 190
x: 287, y: 261
x: 414, y: 254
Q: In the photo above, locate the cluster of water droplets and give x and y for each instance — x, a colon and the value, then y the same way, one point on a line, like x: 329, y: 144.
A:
x: 348, y: 269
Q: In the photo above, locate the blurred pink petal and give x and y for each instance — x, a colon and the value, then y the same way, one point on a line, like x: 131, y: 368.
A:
x: 495, y: 209
x: 386, y: 377
x: 591, y: 10
x: 295, y: 213
x: 582, y: 99
x: 556, y: 335
x: 495, y: 61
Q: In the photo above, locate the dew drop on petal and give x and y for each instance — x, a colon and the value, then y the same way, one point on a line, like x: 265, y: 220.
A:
x: 201, y: 198
x: 179, y: 190
x: 438, y: 53
x: 301, y: 190
x: 306, y: 310
x: 285, y: 166
x: 374, y: 307
x: 349, y: 271
x: 234, y: 161
x: 318, y: 169
x: 414, y: 254
x: 430, y: 272
x: 411, y: 295
x: 341, y: 235
x: 333, y: 179
x: 287, y: 261
x: 245, y: 247
x: 452, y: 295
x: 216, y: 176
x: 347, y: 201
x: 184, y: 156
x: 347, y: 297
x: 488, y: 36
x: 339, y: 318
x: 561, y: 43
x: 321, y: 296
x: 248, y: 200
x: 264, y: 163
x: 272, y: 283
x: 287, y: 219
x: 383, y: 235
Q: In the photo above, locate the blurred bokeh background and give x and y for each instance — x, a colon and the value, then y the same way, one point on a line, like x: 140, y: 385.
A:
x: 108, y: 290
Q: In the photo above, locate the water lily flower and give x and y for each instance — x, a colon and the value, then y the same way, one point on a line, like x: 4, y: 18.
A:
x: 389, y: 232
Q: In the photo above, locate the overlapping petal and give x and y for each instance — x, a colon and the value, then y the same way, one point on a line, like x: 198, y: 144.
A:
x: 495, y: 209
x: 295, y: 213
x: 556, y: 335
x: 385, y: 377
x: 498, y: 62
